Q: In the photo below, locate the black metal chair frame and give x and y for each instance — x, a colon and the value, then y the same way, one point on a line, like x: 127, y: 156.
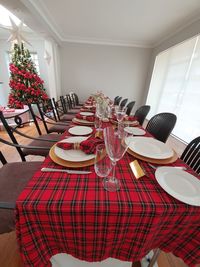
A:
x: 42, y: 117
x: 13, y: 129
x: 69, y: 105
x: 191, y: 154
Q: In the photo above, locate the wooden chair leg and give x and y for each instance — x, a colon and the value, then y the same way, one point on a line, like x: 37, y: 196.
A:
x: 154, y: 258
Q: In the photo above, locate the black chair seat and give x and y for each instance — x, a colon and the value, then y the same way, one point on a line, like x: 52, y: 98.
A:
x: 38, y: 143
x: 58, y: 128
x: 67, y: 117
x: 13, y: 178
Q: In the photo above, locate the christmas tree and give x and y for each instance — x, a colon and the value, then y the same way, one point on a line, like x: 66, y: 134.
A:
x: 26, y: 86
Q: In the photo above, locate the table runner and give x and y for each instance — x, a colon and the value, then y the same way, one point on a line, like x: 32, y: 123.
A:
x: 74, y: 214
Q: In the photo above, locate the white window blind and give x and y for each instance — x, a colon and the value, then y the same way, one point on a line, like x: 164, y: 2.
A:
x: 175, y: 87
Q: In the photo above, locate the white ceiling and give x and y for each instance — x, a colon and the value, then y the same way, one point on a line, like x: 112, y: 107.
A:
x: 143, y: 23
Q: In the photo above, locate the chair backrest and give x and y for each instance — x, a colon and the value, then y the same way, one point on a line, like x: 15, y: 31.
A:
x: 161, y: 125
x: 73, y: 99
x: 191, y: 154
x: 141, y: 113
x: 115, y: 99
x: 75, y: 96
x: 130, y: 107
x: 11, y: 124
x: 123, y: 102
x: 64, y: 104
x: 69, y: 101
x: 118, y: 100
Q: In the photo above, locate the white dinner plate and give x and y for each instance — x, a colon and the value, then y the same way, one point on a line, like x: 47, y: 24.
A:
x: 84, y: 113
x: 80, y: 130
x: 179, y: 184
x: 73, y: 154
x: 135, y: 131
x: 83, y: 122
x: 150, y: 148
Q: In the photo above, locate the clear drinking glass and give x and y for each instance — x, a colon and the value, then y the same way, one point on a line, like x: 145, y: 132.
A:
x: 120, y: 113
x: 116, y: 146
x: 102, y: 164
x: 100, y: 110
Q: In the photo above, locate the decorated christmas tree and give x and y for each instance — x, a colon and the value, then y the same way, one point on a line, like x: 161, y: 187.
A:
x: 26, y: 86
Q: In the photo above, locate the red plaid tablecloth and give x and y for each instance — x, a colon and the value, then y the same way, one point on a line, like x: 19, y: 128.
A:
x: 73, y: 214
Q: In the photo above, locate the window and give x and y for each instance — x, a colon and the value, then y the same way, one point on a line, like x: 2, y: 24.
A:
x: 175, y: 87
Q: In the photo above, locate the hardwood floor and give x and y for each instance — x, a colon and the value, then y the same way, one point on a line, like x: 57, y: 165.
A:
x: 9, y: 254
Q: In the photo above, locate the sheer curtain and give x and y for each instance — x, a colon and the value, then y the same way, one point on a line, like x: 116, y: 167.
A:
x: 53, y: 67
x: 175, y: 87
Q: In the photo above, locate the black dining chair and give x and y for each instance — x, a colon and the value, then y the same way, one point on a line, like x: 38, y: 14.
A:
x: 13, y: 178
x: 118, y: 100
x: 141, y: 113
x: 66, y: 107
x: 46, y: 115
x: 76, y: 100
x: 61, y: 111
x: 123, y: 102
x: 130, y: 107
x: 69, y: 105
x: 115, y: 99
x: 191, y: 154
x: 39, y: 145
x: 161, y: 125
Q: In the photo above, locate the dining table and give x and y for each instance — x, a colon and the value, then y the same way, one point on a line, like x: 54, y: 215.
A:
x: 59, y: 212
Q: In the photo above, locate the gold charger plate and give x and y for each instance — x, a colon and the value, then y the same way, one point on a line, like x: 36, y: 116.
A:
x: 82, y: 122
x: 156, y: 161
x: 66, y: 163
x: 132, y: 123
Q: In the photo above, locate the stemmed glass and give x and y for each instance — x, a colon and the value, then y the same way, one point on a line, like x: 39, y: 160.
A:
x: 100, y: 110
x: 116, y: 145
x: 102, y: 163
x: 120, y: 113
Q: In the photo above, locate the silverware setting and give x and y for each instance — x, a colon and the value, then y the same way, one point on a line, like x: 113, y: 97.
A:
x: 64, y: 170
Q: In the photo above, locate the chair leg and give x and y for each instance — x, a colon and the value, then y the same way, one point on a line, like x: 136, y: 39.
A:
x: 154, y: 258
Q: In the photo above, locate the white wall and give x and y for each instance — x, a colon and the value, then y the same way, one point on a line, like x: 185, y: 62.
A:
x: 114, y: 70
x: 37, y: 46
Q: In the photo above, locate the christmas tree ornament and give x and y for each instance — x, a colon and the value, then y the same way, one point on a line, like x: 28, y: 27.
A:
x: 16, y: 33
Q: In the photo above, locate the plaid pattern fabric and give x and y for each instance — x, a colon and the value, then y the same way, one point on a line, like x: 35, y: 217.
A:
x: 87, y: 118
x: 131, y: 118
x: 88, y: 146
x: 58, y: 212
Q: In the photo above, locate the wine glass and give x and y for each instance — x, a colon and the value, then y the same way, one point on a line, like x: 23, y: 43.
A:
x: 102, y: 163
x: 116, y: 146
x: 100, y: 110
x: 120, y: 113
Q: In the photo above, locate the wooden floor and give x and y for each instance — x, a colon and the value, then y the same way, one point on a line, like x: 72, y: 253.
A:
x: 9, y: 254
